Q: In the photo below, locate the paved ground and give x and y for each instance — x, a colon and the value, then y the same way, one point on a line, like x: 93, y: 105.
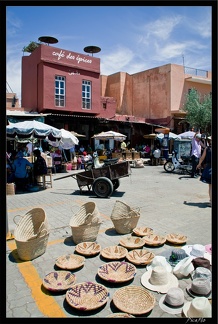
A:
x: 169, y: 203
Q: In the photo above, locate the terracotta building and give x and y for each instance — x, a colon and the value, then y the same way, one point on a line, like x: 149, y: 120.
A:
x: 68, y: 89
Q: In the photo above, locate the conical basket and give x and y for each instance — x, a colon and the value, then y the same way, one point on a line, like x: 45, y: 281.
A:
x: 85, y: 224
x: 124, y: 218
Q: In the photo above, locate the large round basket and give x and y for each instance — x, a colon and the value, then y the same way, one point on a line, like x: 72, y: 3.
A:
x: 88, y: 248
x: 31, y: 234
x: 114, y: 252
x: 124, y: 218
x: 70, y: 261
x: 134, y: 300
x: 85, y: 224
x: 59, y: 280
x: 87, y: 296
x: 117, y: 271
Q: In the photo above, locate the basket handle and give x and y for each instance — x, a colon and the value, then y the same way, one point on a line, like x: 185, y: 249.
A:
x: 14, y: 219
x: 37, y: 235
x: 136, y: 210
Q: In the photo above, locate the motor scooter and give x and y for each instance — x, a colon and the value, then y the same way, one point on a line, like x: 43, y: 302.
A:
x: 183, y: 164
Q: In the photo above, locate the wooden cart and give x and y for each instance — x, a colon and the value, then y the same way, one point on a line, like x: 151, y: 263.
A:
x: 103, y: 181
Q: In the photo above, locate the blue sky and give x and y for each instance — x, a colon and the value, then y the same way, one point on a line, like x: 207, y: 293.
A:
x: 131, y: 38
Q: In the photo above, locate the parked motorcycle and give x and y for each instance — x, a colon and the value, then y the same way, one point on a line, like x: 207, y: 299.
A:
x: 183, y: 164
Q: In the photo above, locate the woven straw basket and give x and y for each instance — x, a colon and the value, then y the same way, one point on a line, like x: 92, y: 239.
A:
x: 10, y: 189
x: 31, y: 234
x: 85, y: 224
x: 124, y: 218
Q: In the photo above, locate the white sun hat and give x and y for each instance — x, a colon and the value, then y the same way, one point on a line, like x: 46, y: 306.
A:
x: 159, y: 261
x: 197, y: 250
x: 184, y: 267
x: 201, y: 272
x: 173, y: 301
x: 199, y: 307
x: 159, y: 279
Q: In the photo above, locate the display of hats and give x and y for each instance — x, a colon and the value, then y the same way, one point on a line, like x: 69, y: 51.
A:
x: 176, y: 238
x: 159, y: 279
x: 174, y: 256
x: 154, y: 240
x: 201, y: 272
x: 59, y: 280
x: 86, y: 296
x: 173, y: 301
x: 88, y: 248
x: 201, y: 262
x: 131, y: 242
x: 197, y: 251
x: 199, y: 287
x: 184, y: 267
x: 199, y: 307
x: 70, y: 261
x: 117, y: 271
x: 208, y: 248
x: 115, y: 252
x: 134, y: 300
x: 160, y: 261
x: 140, y: 257
x: 142, y: 231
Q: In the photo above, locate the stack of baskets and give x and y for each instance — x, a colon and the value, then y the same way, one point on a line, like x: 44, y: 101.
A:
x: 85, y: 224
x: 124, y: 217
x: 31, y: 234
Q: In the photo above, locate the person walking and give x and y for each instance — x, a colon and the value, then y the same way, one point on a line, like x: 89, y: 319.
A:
x: 207, y: 171
x: 195, y: 154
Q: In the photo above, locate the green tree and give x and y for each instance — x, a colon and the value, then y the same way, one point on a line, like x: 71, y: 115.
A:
x: 199, y: 110
x: 31, y: 47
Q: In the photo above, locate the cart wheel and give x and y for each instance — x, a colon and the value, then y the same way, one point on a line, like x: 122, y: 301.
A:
x: 169, y: 167
x: 116, y: 183
x: 102, y: 187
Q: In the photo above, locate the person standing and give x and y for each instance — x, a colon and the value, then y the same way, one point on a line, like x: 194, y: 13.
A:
x: 39, y: 167
x: 22, y: 176
x: 195, y: 154
x: 207, y: 171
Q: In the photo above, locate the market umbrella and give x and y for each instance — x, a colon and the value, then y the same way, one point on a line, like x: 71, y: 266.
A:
x: 110, y: 135
x: 67, y: 140
x: 31, y: 129
x: 188, y: 134
x: 77, y: 134
x: 171, y: 136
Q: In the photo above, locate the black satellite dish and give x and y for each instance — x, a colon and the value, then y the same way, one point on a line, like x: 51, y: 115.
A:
x: 48, y: 39
x: 92, y: 49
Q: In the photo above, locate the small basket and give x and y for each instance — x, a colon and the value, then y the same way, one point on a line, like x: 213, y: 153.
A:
x: 85, y: 224
x: 132, y: 242
x: 176, y: 238
x: 142, y: 231
x: 88, y: 248
x: 70, y: 261
x: 115, y: 252
x: 154, y: 240
x: 140, y: 257
x: 59, y: 280
x: 134, y: 300
x: 31, y: 234
x: 125, y: 315
x: 117, y: 271
x: 124, y: 218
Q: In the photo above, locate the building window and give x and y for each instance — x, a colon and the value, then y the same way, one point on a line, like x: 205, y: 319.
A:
x: 59, y: 91
x: 86, y: 94
x: 104, y: 105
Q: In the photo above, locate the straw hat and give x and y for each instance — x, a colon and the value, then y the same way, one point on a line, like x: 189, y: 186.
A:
x: 159, y: 261
x: 197, y: 250
x: 159, y: 279
x: 184, y: 267
x: 199, y: 307
x: 173, y: 301
x: 201, y: 272
x: 199, y: 287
